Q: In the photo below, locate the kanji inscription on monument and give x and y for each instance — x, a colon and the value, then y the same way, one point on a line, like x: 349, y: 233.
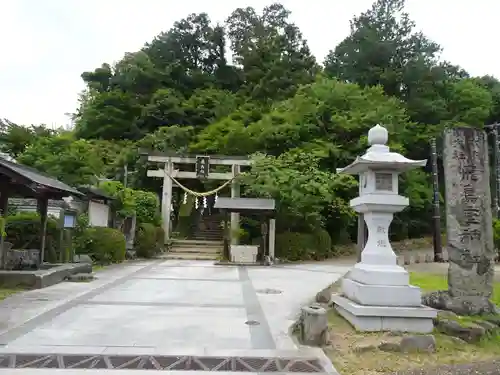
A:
x: 468, y: 219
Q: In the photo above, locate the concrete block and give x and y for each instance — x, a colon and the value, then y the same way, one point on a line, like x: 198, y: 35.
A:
x: 379, y: 275
x: 382, y: 295
x: 385, y: 318
x: 314, y: 326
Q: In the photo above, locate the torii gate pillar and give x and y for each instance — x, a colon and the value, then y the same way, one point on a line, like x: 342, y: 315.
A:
x: 235, y: 216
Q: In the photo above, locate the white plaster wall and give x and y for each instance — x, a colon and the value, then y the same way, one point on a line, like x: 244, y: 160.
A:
x: 98, y: 214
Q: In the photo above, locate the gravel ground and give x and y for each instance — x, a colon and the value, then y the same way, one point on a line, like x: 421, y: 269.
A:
x: 483, y: 368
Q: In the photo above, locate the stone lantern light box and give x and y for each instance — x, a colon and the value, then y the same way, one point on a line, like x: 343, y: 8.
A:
x: 376, y: 295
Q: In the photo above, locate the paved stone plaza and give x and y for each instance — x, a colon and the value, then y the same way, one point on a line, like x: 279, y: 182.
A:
x: 162, y: 306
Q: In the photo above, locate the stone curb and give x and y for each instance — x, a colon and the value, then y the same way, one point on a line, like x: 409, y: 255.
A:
x: 416, y: 257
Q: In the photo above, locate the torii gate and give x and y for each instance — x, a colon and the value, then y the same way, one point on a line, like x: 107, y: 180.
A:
x: 202, y: 163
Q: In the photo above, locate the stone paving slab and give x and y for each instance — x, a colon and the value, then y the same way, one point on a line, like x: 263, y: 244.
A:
x: 24, y: 311
x: 166, y: 305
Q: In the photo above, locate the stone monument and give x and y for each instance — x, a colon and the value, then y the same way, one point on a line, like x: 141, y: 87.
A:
x: 469, y: 225
x: 376, y: 295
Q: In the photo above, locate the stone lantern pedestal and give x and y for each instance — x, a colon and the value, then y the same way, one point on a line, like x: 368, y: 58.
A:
x: 376, y: 295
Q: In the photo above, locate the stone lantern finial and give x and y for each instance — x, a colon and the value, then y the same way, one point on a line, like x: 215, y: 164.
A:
x: 378, y: 135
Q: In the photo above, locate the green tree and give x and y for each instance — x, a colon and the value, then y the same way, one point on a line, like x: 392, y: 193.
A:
x: 271, y: 51
x: 63, y: 157
x: 165, y: 108
x: 15, y: 138
x: 108, y: 115
x: 329, y: 118
x: 384, y: 49
x: 191, y: 55
x: 493, y: 86
x: 304, y: 193
x: 469, y: 103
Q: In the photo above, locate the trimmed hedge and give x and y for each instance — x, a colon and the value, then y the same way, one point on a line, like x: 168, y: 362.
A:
x: 103, y: 245
x: 145, y: 241
x: 295, y: 246
x: 148, y: 240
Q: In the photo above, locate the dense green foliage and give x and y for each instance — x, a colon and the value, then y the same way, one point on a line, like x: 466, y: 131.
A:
x: 23, y: 231
x: 299, y: 120
x: 293, y: 246
x: 144, y: 205
x: 148, y: 241
x: 496, y: 234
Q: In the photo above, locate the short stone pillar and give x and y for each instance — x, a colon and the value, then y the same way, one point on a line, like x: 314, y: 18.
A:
x: 376, y: 292
x: 314, y: 326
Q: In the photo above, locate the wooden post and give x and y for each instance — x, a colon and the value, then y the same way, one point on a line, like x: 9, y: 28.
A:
x: 4, y: 203
x: 264, y: 230
x: 436, y: 217
x: 42, y: 207
x: 235, y: 216
x: 226, y: 251
x: 166, y: 201
x: 272, y: 238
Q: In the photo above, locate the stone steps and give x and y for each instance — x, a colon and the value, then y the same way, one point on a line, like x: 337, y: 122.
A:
x: 203, y: 237
x: 191, y: 256
x: 209, y: 228
x: 196, y: 243
x: 195, y: 250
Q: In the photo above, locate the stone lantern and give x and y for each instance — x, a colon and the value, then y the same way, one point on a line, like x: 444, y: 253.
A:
x: 376, y: 295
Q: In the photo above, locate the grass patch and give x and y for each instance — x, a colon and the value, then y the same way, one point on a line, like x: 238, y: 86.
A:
x: 7, y: 292
x: 431, y: 282
x: 355, y: 353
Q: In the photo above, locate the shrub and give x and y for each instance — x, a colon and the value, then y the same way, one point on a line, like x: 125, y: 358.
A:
x: 23, y: 231
x: 323, y: 242
x: 146, y: 240
x: 104, y: 245
x: 496, y: 234
x: 295, y: 246
x: 160, y: 237
x: 147, y: 207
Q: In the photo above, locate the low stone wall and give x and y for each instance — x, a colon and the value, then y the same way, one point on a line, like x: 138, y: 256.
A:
x: 419, y: 256
x: 43, y: 278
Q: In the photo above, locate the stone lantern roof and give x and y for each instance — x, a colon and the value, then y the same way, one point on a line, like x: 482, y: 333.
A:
x: 379, y: 156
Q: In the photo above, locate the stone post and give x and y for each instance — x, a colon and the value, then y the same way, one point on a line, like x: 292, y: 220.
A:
x: 314, y: 326
x: 468, y: 222
x: 235, y: 216
x: 166, y: 199
x: 272, y: 238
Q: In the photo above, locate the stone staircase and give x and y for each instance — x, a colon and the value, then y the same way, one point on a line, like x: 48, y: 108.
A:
x: 209, y: 229
x: 195, y: 250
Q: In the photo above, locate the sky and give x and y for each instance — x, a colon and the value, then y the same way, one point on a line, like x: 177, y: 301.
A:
x: 46, y: 45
